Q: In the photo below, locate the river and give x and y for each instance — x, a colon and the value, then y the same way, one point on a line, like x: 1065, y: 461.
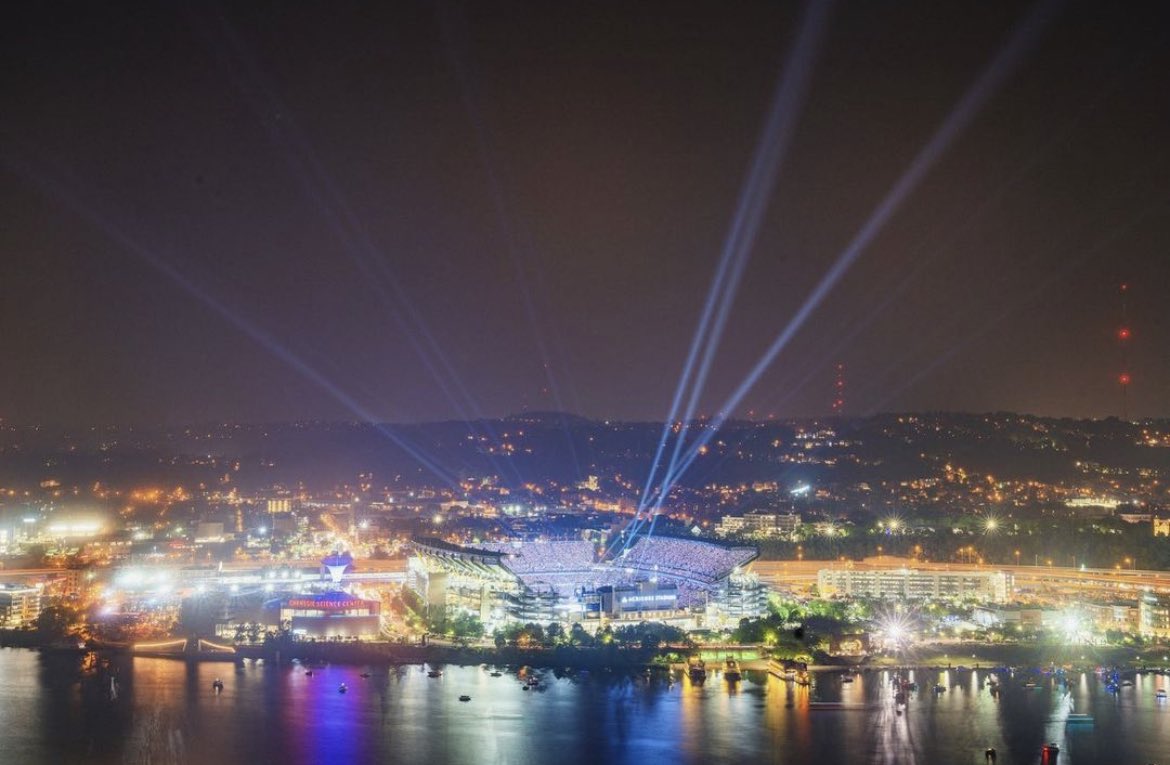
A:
x: 58, y: 709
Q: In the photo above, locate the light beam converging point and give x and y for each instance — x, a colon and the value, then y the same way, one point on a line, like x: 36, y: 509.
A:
x: 1023, y: 37
x: 779, y: 127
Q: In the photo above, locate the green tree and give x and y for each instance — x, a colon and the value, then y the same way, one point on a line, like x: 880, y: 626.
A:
x: 579, y: 637
x: 466, y: 627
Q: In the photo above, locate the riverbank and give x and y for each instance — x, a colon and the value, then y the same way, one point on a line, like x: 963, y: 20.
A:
x: 952, y: 655
x: 932, y: 657
x: 598, y: 659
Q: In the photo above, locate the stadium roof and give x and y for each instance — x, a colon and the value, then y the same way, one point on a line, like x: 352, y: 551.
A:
x: 434, y: 543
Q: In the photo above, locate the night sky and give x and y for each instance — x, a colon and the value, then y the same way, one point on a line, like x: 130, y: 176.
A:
x: 414, y: 211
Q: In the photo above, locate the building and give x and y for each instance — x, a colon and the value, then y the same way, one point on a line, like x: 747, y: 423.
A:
x: 912, y: 584
x: 1162, y: 527
x: 645, y: 600
x: 326, y: 615
x: 740, y: 596
x: 1017, y: 616
x: 279, y: 506
x: 662, y: 579
x: 209, y: 531
x: 20, y: 605
x: 762, y: 524
x: 1154, y: 616
x: 1113, y: 616
x: 467, y: 579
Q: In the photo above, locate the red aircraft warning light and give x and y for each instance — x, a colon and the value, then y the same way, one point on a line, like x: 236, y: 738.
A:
x: 1123, y: 333
x: 1123, y: 378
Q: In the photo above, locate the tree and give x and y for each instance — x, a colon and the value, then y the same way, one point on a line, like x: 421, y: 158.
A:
x: 466, y: 627
x: 530, y: 636
x: 579, y: 637
x: 54, y: 622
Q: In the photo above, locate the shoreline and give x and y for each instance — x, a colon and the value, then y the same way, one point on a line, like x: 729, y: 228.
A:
x: 958, y: 657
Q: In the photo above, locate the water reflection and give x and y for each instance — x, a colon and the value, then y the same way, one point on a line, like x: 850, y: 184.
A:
x: 58, y: 709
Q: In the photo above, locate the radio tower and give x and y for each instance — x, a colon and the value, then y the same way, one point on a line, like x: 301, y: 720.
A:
x: 838, y: 407
x: 1123, y: 336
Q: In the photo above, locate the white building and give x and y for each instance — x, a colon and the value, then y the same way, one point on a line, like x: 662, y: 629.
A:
x: 763, y: 524
x: 912, y: 584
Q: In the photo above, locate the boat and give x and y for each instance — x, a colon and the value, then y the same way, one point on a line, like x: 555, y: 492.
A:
x: 342, y: 688
x: 435, y: 673
x: 217, y: 685
x: 731, y: 669
x: 465, y: 698
x: 940, y: 688
x: 497, y: 674
x: 1050, y: 750
x: 847, y: 679
x: 1079, y: 718
x: 833, y: 705
x: 697, y: 669
x: 364, y: 675
x: 1160, y: 694
x: 308, y: 673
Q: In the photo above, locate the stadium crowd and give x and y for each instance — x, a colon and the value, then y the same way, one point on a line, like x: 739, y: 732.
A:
x: 687, y: 558
x: 528, y: 558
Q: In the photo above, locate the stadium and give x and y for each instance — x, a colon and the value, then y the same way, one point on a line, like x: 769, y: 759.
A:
x: 694, y: 584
